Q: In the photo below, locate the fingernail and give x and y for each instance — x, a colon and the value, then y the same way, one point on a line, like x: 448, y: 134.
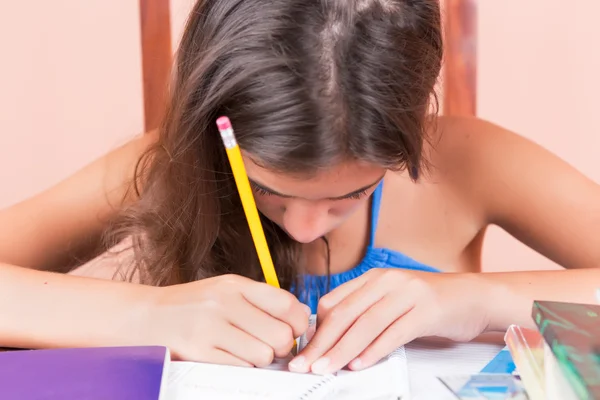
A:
x: 320, y: 367
x: 356, y: 364
x: 297, y: 364
x: 307, y: 310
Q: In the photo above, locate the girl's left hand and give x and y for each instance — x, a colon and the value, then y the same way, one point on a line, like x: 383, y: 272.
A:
x: 367, y: 318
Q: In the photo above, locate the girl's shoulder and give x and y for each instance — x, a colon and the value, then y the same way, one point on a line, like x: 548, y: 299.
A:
x: 479, y: 161
x: 515, y: 183
x: 64, y: 224
x: 467, y: 151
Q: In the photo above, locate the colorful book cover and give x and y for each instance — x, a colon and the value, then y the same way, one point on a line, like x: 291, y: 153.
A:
x: 115, y: 373
x: 527, y: 349
x: 572, y: 331
x: 557, y: 385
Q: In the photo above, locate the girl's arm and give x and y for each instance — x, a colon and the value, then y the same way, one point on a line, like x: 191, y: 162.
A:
x: 62, y: 226
x: 55, y: 230
x: 511, y: 298
x: 44, y: 309
x: 539, y: 199
x: 526, y: 190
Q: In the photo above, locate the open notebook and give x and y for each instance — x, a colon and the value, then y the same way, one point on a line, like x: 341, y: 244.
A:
x: 387, y: 380
x: 188, y: 381
x: 411, y: 372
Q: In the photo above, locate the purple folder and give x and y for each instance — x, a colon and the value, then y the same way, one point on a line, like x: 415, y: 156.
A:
x: 105, y: 373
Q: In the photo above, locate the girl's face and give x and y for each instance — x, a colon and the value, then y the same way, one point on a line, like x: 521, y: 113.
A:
x: 308, y: 209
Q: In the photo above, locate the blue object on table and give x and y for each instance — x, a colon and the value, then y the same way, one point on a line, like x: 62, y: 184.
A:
x: 486, y: 386
x: 493, y: 381
x: 501, y: 364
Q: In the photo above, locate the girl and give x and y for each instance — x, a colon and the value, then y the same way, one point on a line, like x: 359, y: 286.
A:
x: 366, y: 195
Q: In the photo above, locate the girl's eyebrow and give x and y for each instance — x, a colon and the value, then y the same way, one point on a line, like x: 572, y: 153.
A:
x: 275, y: 193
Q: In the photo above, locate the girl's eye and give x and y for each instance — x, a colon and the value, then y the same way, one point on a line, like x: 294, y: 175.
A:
x: 261, y: 192
x: 354, y: 196
x: 357, y: 196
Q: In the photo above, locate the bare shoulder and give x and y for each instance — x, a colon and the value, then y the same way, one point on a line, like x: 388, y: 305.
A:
x: 65, y: 222
x: 110, y: 178
x: 490, y: 158
x: 456, y: 142
x: 522, y: 187
x: 454, y: 155
x: 118, y: 167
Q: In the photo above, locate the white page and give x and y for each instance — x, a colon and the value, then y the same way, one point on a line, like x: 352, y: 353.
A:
x: 194, y: 381
x: 426, y: 360
x: 431, y: 358
x: 385, y: 380
x: 190, y: 381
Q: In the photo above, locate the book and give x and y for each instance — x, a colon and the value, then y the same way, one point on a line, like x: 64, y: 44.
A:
x: 557, y: 386
x: 527, y: 350
x: 141, y: 373
x: 572, y: 335
x: 411, y: 372
x: 115, y: 373
x: 388, y: 379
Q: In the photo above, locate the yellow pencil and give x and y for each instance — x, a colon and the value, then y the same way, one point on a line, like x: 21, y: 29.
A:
x: 243, y: 185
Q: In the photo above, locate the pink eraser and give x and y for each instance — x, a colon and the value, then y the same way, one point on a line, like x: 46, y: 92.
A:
x: 223, y: 123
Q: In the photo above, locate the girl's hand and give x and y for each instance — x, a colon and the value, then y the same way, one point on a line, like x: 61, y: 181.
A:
x: 367, y: 318
x: 227, y: 320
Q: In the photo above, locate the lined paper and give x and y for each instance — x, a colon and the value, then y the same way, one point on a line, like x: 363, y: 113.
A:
x: 419, y: 365
x: 431, y: 358
x: 192, y: 381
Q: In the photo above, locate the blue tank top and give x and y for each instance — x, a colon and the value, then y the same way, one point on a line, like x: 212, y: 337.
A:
x: 316, y: 286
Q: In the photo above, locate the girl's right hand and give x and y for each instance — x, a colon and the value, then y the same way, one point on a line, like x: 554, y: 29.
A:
x: 228, y: 319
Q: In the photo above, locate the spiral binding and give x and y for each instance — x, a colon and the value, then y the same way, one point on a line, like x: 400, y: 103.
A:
x: 400, y: 377
x: 398, y: 354
x: 303, y: 341
x: 321, y: 390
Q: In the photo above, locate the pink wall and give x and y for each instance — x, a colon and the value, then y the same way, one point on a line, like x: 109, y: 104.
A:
x: 179, y: 13
x: 70, y: 82
x: 71, y: 87
x: 538, y: 75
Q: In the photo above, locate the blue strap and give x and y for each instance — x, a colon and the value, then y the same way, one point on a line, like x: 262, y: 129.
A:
x: 375, y: 205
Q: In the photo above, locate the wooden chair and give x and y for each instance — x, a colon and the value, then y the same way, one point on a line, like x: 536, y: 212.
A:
x: 460, y: 65
x: 155, y: 22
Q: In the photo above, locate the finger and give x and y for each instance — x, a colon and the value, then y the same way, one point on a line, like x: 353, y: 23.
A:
x: 367, y: 328
x: 404, y: 330
x: 274, y: 333
x: 334, y: 326
x: 333, y: 298
x: 245, y: 347
x: 218, y: 356
x: 279, y: 304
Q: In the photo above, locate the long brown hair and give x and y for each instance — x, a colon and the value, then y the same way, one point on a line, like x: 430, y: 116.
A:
x: 307, y: 84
